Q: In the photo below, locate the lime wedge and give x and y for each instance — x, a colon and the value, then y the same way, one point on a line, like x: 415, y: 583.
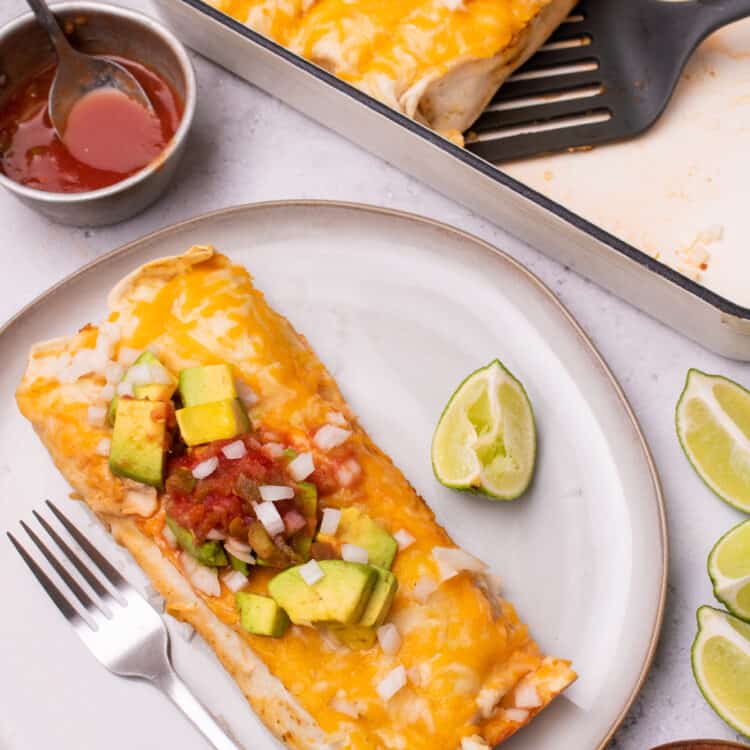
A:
x: 713, y: 424
x: 729, y: 568
x: 721, y: 665
x: 486, y: 439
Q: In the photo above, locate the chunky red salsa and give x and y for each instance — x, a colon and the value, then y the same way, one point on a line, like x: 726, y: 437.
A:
x: 108, y: 137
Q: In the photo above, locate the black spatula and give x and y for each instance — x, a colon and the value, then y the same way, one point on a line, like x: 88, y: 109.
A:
x: 606, y: 74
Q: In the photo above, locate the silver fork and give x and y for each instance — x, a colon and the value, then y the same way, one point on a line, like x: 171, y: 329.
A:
x: 120, y: 628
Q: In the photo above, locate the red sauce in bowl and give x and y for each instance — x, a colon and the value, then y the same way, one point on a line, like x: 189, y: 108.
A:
x: 108, y: 137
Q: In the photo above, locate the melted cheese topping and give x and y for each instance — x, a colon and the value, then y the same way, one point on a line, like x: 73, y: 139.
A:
x: 367, y: 42
x: 457, y: 643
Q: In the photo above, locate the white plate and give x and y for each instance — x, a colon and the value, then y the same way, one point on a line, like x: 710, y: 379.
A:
x: 400, y: 309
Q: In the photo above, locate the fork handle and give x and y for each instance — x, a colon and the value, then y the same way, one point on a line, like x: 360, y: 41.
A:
x: 179, y: 693
x: 726, y: 11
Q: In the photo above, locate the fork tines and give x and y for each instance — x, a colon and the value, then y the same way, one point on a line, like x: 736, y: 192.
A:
x: 93, y: 605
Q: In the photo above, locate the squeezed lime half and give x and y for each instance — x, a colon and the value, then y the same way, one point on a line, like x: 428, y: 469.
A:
x: 486, y: 438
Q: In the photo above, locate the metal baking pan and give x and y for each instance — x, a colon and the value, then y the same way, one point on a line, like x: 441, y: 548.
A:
x: 712, y: 320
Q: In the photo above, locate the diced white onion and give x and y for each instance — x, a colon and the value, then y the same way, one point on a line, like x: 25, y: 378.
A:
x: 423, y: 588
x: 109, y: 330
x: 270, y: 518
x: 206, y: 468
x: 344, y: 706
x: 238, y: 549
x: 234, y: 450
x: 107, y: 393
x: 215, y: 535
x: 113, y: 372
x: 311, y: 572
x: 159, y: 374
x: 234, y: 580
x: 329, y: 436
x: 330, y: 521
x: 169, y: 537
x: 301, y: 467
x: 452, y: 560
x: 518, y: 715
x: 337, y: 418
x: 272, y: 493
x: 103, y: 447
x: 404, y: 539
x: 348, y: 472
x: 96, y: 416
x: 475, y: 742
x: 246, y: 394
x: 125, y: 389
x: 274, y: 450
x: 354, y: 553
x: 140, y: 500
x: 526, y: 696
x: 389, y: 639
x: 487, y: 699
x: 392, y: 683
x: 139, y: 374
x: 126, y: 356
x: 205, y: 579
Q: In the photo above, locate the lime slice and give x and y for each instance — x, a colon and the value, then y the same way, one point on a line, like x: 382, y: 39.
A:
x: 721, y: 665
x: 729, y: 568
x: 485, y: 439
x: 713, y: 424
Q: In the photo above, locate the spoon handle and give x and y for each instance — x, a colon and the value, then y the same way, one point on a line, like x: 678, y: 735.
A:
x: 49, y: 23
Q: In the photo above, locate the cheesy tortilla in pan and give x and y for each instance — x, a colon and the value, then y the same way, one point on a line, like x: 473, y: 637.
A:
x: 437, y: 61
x: 452, y: 666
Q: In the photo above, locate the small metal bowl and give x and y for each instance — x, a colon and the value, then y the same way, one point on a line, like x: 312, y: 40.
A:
x: 101, y: 30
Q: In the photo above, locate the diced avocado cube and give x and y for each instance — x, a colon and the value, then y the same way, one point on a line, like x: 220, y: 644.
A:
x: 238, y: 564
x: 301, y: 544
x: 261, y: 615
x: 216, y: 420
x: 356, y: 637
x: 112, y: 411
x: 339, y: 596
x: 155, y: 391
x: 358, y: 528
x: 379, y: 603
x: 139, y: 441
x: 209, y: 553
x: 203, y: 385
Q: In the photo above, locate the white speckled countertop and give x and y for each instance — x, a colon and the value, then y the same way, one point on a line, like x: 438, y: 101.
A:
x: 246, y: 147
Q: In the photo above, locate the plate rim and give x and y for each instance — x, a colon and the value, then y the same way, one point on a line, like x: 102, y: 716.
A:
x: 518, y: 267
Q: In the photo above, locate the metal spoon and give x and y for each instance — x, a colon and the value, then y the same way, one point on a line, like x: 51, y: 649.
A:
x: 79, y: 74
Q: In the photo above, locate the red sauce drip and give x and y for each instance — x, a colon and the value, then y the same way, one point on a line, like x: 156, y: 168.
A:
x: 109, y: 137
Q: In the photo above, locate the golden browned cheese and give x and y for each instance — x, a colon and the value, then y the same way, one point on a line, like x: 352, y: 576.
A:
x: 439, y: 61
x: 464, y: 649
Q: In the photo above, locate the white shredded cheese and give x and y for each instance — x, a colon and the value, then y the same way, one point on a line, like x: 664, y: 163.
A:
x: 270, y: 518
x: 301, y: 467
x: 103, y: 447
x: 311, y: 572
x: 205, y: 468
x: 272, y: 493
x: 389, y: 639
x: 354, y: 553
x: 392, y: 683
x: 329, y: 436
x: 330, y: 521
x: 235, y: 450
x: 404, y: 539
